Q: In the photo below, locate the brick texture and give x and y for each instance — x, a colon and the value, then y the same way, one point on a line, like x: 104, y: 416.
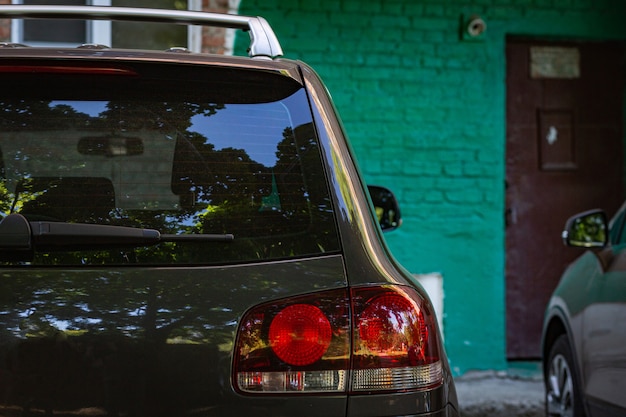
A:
x: 424, y: 108
x: 214, y: 39
x: 5, y: 26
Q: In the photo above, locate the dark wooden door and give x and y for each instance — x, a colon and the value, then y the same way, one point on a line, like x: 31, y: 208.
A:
x: 563, y: 155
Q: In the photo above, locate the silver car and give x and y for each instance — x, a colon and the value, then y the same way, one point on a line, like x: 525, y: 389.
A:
x: 584, y: 337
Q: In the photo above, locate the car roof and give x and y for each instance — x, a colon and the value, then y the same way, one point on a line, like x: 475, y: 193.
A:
x: 264, y: 52
x: 283, y: 67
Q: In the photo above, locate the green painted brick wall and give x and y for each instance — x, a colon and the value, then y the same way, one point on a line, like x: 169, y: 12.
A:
x: 425, y: 112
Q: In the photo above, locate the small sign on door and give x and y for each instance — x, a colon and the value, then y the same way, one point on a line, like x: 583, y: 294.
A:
x: 554, y: 62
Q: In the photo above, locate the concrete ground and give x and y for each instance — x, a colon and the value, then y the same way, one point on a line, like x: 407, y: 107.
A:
x: 490, y: 393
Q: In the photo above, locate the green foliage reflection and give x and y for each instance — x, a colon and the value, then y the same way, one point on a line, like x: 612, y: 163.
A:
x: 588, y: 230
x: 203, y: 190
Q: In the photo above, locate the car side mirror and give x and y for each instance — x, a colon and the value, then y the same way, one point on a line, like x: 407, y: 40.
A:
x: 587, y: 230
x: 386, y: 207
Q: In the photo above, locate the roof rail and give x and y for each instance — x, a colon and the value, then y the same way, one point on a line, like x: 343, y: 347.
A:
x: 263, y: 41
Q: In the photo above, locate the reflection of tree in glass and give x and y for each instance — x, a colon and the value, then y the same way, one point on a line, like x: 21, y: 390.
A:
x: 232, y: 197
x: 119, y: 115
x: 96, y: 329
x: 153, y: 115
x: 220, y: 191
x: 589, y: 229
x: 143, y: 307
x: 6, y: 199
x: 39, y: 115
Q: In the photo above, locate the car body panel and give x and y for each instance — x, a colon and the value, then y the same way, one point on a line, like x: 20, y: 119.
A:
x: 370, y: 248
x: 129, y: 325
x: 160, y: 339
x: 604, y: 335
x: 589, y: 306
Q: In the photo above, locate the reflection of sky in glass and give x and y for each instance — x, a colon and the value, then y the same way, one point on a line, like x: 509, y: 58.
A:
x: 92, y: 108
x: 257, y: 129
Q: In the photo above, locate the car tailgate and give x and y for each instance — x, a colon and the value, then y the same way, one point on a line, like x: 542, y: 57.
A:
x: 142, y: 341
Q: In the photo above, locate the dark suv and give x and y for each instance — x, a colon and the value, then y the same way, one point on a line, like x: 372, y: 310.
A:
x: 188, y: 235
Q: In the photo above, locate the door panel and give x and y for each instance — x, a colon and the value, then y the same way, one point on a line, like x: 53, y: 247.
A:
x: 604, y: 335
x: 564, y: 155
x: 134, y: 341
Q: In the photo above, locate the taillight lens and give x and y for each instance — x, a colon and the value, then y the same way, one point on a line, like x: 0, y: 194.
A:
x: 300, y: 334
x: 314, y: 343
x: 298, y: 345
x: 395, y: 342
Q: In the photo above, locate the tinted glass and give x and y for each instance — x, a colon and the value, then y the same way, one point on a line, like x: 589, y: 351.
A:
x: 176, y: 164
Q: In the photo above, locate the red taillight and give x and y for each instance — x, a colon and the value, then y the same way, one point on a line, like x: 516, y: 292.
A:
x: 374, y: 339
x: 296, y: 345
x: 390, y: 322
x: 300, y: 334
x: 395, y: 345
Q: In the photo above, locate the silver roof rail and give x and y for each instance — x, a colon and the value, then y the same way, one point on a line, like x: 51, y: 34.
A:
x: 263, y: 41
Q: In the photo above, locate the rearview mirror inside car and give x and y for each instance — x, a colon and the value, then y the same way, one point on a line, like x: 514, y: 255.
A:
x: 112, y: 145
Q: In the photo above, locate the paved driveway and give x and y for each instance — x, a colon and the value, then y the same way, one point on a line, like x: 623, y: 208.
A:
x: 490, y: 394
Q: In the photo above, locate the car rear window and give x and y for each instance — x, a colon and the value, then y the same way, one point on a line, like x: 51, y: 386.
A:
x: 171, y: 152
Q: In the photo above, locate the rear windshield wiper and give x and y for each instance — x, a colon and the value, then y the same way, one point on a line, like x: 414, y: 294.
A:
x: 19, y: 234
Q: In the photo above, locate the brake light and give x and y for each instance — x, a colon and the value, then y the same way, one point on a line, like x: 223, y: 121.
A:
x: 300, y: 334
x: 395, y: 343
x: 297, y: 345
x: 315, y: 344
x: 65, y: 69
